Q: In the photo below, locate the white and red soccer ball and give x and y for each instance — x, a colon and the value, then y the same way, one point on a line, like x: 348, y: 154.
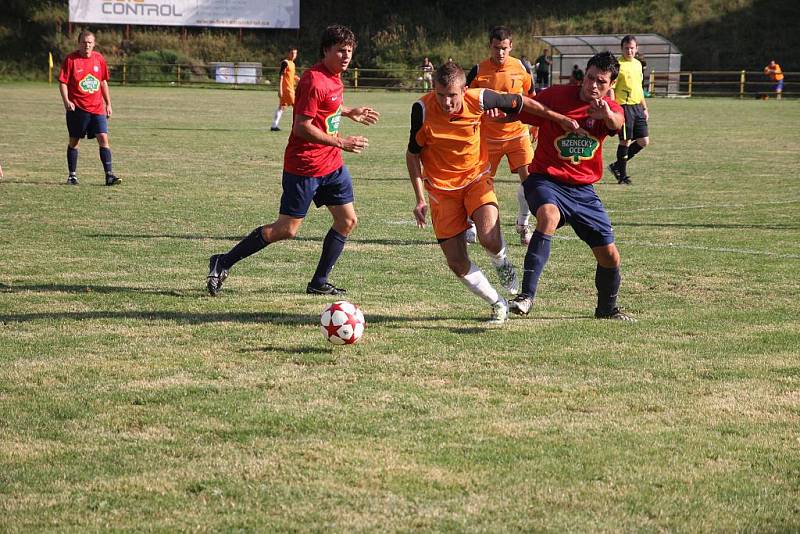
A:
x: 342, y: 323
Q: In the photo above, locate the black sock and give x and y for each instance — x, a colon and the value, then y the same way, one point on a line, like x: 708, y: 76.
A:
x: 105, y: 158
x: 246, y: 247
x: 72, y: 159
x: 634, y: 149
x: 535, y: 259
x: 607, y: 282
x: 622, y: 160
x: 332, y: 248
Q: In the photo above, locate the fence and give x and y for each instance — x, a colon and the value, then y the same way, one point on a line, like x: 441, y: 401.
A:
x: 742, y: 84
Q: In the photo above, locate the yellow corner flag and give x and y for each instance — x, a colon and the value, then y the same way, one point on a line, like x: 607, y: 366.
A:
x: 50, y: 63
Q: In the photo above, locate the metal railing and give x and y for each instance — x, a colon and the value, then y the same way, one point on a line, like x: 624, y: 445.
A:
x: 741, y: 84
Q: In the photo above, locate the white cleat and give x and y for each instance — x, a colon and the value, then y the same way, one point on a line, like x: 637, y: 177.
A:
x: 525, y: 234
x: 508, y: 276
x: 499, y: 313
x: 471, y: 234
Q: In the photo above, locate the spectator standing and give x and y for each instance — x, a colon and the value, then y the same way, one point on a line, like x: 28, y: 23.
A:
x: 542, y: 66
x: 576, y: 76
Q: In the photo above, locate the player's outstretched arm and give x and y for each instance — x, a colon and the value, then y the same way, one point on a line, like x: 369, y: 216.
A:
x: 304, y: 128
x: 362, y: 115
x: 533, y: 107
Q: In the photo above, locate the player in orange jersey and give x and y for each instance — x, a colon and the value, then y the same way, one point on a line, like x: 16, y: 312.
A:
x: 446, y: 153
x: 288, y: 79
x: 506, y: 74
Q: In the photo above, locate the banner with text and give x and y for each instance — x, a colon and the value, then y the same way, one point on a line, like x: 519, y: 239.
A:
x: 220, y: 13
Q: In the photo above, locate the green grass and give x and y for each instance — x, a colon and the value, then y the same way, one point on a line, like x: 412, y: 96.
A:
x: 131, y: 400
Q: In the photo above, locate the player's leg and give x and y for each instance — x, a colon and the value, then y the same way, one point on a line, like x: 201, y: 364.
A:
x: 298, y: 192
x: 487, y: 222
x: 620, y: 167
x: 640, y: 134
x: 335, y: 192
x: 448, y: 216
x: 544, y: 196
x: 590, y: 221
x: 77, y: 123
x: 520, y: 154
x: 276, y: 118
x: 105, y: 153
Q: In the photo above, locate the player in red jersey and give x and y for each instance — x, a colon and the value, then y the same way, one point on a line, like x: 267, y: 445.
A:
x: 313, y: 169
x: 559, y: 188
x: 83, y: 82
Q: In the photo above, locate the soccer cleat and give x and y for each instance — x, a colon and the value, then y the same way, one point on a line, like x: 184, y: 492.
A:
x: 615, y: 171
x: 112, y: 180
x: 521, y: 304
x: 471, y: 234
x: 508, y: 276
x: 614, y: 315
x: 626, y: 180
x: 72, y: 180
x: 499, y: 313
x: 325, y: 289
x: 525, y: 234
x: 216, y: 275
x: 274, y: 129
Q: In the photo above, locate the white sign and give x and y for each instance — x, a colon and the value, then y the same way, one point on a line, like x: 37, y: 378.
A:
x: 222, y: 13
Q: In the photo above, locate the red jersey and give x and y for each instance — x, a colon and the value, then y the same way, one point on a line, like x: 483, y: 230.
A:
x: 319, y: 96
x: 83, y: 76
x: 565, y: 156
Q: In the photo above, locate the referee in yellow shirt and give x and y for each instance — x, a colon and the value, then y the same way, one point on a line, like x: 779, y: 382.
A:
x: 629, y: 94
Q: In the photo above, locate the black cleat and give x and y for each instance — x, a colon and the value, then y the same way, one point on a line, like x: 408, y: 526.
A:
x: 521, y: 304
x: 216, y: 275
x: 614, y: 315
x: 72, y: 180
x: 626, y: 180
x: 112, y: 180
x: 274, y: 129
x: 325, y: 289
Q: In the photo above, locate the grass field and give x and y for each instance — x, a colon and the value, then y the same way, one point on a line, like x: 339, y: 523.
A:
x: 129, y: 399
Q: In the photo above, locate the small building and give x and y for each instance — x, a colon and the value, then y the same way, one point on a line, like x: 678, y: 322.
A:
x: 659, y: 53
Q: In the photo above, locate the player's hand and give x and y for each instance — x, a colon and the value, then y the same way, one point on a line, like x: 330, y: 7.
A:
x: 108, y: 111
x: 599, y: 109
x: 646, y: 114
x: 571, y: 125
x: 69, y: 106
x: 495, y: 113
x: 420, y: 212
x: 354, y: 143
x: 366, y: 116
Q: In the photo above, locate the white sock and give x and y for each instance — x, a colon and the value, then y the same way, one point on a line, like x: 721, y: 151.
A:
x: 500, y: 258
x: 477, y: 282
x: 277, y: 118
x: 524, y: 213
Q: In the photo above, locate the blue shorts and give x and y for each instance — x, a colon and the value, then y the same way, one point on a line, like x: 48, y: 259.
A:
x: 81, y: 124
x: 579, y: 206
x: 334, y: 189
x: 778, y: 86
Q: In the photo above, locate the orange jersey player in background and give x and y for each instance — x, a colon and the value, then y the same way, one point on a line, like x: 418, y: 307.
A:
x: 503, y: 73
x: 288, y: 79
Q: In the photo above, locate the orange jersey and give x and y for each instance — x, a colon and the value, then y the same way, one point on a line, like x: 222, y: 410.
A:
x: 510, y: 77
x: 775, y: 73
x: 452, y: 153
x: 288, y: 78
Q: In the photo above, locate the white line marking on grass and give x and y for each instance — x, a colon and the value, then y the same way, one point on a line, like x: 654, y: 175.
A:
x: 704, y: 206
x: 696, y: 247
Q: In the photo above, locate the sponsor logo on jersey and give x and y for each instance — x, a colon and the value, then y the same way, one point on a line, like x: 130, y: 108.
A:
x: 332, y: 121
x: 576, y: 147
x: 89, y: 84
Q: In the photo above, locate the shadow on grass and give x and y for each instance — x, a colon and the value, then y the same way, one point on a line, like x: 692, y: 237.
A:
x: 88, y: 289
x: 714, y: 226
x: 403, y: 242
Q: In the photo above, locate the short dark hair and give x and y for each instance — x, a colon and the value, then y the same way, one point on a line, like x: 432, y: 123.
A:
x: 501, y: 33
x: 449, y: 73
x: 628, y: 39
x: 336, y: 34
x: 605, y: 62
x: 85, y: 33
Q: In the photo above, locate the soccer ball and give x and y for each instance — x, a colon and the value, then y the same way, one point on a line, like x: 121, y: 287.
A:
x: 342, y: 323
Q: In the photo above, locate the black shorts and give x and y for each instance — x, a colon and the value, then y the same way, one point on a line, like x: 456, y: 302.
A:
x: 635, y: 123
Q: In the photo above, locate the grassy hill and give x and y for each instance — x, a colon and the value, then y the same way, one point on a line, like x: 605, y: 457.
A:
x: 711, y: 34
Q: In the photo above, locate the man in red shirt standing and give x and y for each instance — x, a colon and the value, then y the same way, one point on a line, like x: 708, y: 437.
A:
x: 559, y: 188
x: 312, y: 166
x: 83, y: 82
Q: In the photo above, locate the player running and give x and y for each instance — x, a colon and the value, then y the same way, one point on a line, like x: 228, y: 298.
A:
x: 506, y: 74
x: 313, y: 167
x: 559, y: 188
x: 445, y: 152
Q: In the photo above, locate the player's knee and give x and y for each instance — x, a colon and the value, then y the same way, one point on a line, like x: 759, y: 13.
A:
x: 643, y: 142
x: 547, y: 219
x: 607, y: 256
x: 460, y: 268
